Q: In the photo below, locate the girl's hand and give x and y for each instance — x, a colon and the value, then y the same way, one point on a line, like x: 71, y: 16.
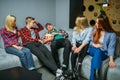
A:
x: 112, y: 64
x: 97, y: 45
x: 48, y: 37
x: 77, y: 50
x: 19, y: 47
x: 41, y: 41
x: 73, y: 48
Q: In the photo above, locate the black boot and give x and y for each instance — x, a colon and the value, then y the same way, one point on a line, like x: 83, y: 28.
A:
x: 77, y: 71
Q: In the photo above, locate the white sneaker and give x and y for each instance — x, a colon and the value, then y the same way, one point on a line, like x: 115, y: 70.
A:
x: 31, y: 68
x: 59, y: 72
x: 60, y: 77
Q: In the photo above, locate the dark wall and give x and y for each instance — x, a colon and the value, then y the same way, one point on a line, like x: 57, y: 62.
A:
x: 76, y: 9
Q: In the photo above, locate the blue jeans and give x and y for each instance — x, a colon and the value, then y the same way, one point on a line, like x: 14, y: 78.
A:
x: 97, y: 57
x: 25, y: 56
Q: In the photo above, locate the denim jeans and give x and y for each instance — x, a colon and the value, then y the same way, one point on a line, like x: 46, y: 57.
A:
x: 25, y: 56
x: 97, y: 57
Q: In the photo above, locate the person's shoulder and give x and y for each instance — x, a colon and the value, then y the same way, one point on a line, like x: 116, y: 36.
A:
x: 3, y: 28
x: 112, y: 34
x: 24, y: 28
x: 55, y: 29
x: 89, y: 28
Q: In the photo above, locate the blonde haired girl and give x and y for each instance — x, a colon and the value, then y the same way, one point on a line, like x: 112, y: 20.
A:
x: 9, y: 33
x: 80, y: 40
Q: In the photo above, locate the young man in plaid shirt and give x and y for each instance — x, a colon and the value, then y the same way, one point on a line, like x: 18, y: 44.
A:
x: 31, y: 39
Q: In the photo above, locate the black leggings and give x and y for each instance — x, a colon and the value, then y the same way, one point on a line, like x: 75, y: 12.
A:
x: 80, y: 56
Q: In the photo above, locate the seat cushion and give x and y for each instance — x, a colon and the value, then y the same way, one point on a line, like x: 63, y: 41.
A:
x: 117, y: 48
x: 85, y: 69
x: 38, y: 64
x: 86, y: 65
x: 2, y: 51
x: 8, y: 61
x: 1, y: 43
x: 114, y: 73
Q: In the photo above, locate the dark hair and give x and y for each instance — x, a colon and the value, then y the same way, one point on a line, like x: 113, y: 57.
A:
x: 47, y: 25
x: 105, y: 23
x: 29, y: 19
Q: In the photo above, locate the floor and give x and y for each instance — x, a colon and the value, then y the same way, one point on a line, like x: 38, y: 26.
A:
x: 46, y: 75
x: 18, y: 73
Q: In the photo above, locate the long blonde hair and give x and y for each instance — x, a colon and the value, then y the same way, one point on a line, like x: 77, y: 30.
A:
x: 81, y: 22
x: 10, y: 19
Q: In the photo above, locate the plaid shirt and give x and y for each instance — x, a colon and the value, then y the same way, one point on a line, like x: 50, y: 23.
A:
x: 9, y: 38
x: 26, y: 34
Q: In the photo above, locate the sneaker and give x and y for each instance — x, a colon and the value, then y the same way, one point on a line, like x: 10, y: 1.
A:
x: 64, y: 69
x: 77, y: 69
x: 31, y: 68
x: 59, y: 72
x: 68, y: 74
x: 60, y: 77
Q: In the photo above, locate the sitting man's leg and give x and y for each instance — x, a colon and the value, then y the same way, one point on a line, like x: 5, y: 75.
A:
x: 66, y: 53
x: 54, y: 51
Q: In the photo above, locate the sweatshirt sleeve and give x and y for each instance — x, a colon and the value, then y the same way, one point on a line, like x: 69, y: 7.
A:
x: 112, y: 44
x: 88, y: 36
x: 73, y: 38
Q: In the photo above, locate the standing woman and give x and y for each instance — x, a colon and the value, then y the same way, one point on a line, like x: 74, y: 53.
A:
x: 9, y: 33
x: 102, y: 46
x: 80, y: 41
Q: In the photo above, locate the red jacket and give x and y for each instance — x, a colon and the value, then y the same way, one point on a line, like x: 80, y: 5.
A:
x: 26, y: 34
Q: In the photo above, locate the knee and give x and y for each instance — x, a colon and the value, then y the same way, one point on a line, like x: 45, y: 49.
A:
x: 67, y: 43
x: 28, y: 50
x: 53, y: 44
x: 94, y: 51
x: 98, y: 52
x: 21, y: 54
